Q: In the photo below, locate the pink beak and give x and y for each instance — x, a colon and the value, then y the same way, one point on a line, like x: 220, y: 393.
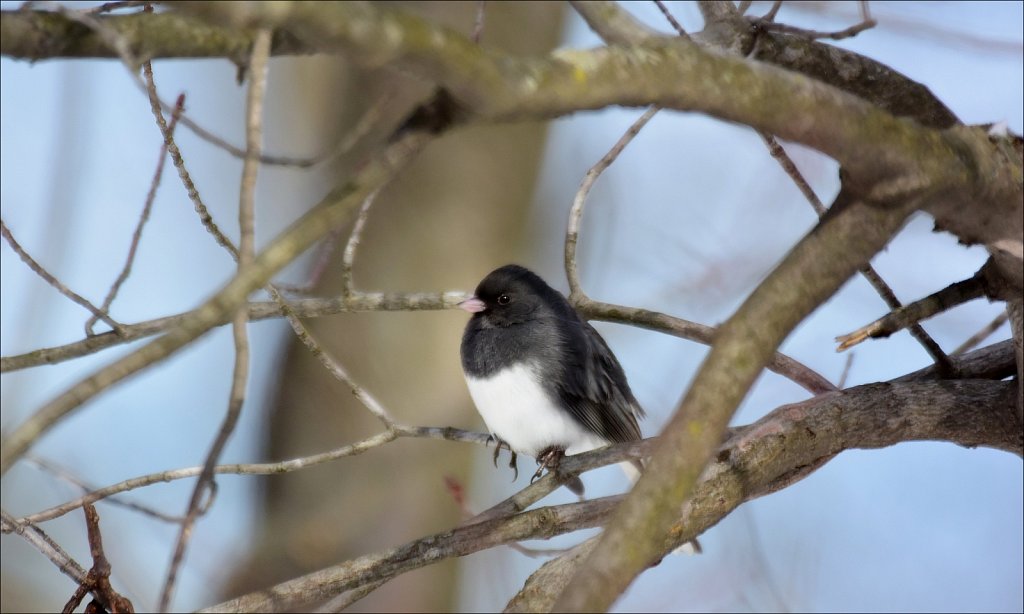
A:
x: 472, y: 305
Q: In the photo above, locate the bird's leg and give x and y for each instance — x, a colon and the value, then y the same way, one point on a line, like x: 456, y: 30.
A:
x: 550, y: 459
x: 512, y: 462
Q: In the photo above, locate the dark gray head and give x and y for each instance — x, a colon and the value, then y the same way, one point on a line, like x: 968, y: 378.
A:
x: 514, y: 295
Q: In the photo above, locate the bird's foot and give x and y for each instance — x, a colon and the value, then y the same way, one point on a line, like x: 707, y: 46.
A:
x: 512, y: 462
x: 550, y: 459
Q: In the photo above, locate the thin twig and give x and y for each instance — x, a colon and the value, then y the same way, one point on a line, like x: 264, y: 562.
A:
x: 349, y: 255
x: 576, y: 212
x: 54, y: 282
x: 97, y: 581
x: 867, y: 271
x: 260, y: 310
x: 866, y: 23
x: 120, y: 45
x: 66, y: 475
x: 780, y: 363
x: 179, y: 164
x: 478, y: 22
x: 772, y: 12
x: 846, y: 371
x: 322, y: 264
x: 753, y: 462
x: 852, y: 31
x: 672, y: 20
x: 363, y: 127
x: 44, y: 544
x: 147, y: 208
x: 276, y: 468
x: 992, y: 362
x: 366, y: 123
x: 286, y: 466
x: 981, y: 335
x: 783, y: 365
x: 258, y: 64
x: 333, y: 367
x: 898, y: 319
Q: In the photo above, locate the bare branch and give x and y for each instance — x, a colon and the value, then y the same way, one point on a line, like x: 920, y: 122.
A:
x: 995, y: 361
x: 793, y: 440
x: 779, y: 363
x: 752, y: 463
x: 147, y: 208
x: 333, y: 367
x: 179, y: 164
x: 868, y: 271
x: 898, y: 319
x: 44, y: 544
x: 576, y: 293
x: 303, y: 308
x: 118, y: 36
x: 672, y: 20
x: 258, y: 65
x: 53, y: 281
x: 97, y: 581
x: 331, y: 211
x: 286, y: 466
x: 974, y: 340
x: 743, y: 345
x: 349, y: 255
x: 83, y: 486
x: 866, y: 23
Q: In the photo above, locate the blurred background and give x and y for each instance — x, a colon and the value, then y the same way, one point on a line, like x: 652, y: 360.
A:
x: 690, y: 218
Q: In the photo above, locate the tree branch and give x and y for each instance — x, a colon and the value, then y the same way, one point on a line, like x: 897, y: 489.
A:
x: 44, y: 35
x: 880, y: 152
x: 809, y: 274
x: 752, y: 463
x: 333, y: 209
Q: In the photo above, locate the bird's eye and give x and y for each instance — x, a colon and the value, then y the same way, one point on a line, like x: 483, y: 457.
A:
x: 504, y: 299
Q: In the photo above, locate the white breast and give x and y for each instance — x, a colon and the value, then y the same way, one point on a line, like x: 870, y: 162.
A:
x: 517, y: 410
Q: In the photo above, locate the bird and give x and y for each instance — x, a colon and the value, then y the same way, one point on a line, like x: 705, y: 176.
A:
x: 542, y: 378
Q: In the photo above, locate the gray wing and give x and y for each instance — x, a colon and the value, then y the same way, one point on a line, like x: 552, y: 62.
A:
x: 594, y: 389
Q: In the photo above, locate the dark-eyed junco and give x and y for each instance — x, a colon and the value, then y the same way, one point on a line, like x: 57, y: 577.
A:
x: 544, y: 381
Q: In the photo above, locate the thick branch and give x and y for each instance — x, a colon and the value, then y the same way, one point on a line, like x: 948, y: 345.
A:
x: 758, y: 460
x: 977, y: 194
x: 974, y: 181
x: 38, y: 35
x: 777, y: 451
x: 809, y: 274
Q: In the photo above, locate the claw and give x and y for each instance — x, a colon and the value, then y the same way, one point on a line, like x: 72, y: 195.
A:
x: 500, y: 443
x: 549, y: 459
x: 536, y: 474
x: 514, y: 465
